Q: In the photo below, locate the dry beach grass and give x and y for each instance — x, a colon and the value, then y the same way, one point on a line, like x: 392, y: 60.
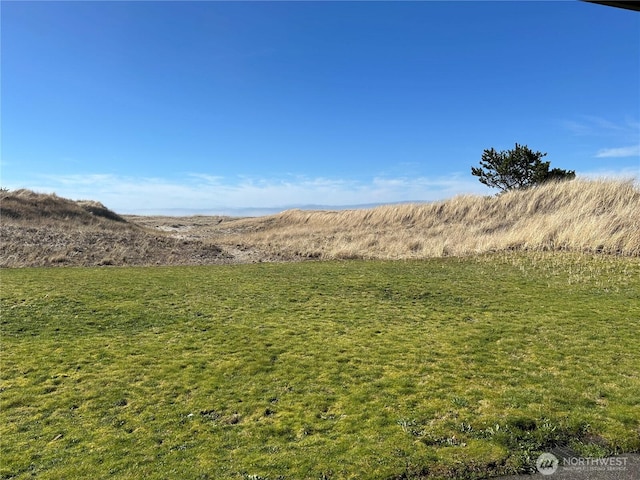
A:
x: 582, y: 216
x: 46, y: 230
x: 590, y: 216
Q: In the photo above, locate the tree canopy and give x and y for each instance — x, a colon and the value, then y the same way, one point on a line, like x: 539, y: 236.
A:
x: 516, y: 169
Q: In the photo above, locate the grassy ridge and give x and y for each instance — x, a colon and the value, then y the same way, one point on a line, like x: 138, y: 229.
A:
x: 39, y: 230
x: 588, y: 216
x: 580, y: 215
x: 335, y: 370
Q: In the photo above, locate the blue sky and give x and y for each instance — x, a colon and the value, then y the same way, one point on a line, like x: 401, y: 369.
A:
x: 159, y: 107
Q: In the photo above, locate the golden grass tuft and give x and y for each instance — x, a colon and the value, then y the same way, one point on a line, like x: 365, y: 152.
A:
x: 600, y: 216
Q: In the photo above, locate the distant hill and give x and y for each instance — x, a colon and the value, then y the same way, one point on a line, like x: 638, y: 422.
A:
x: 45, y: 230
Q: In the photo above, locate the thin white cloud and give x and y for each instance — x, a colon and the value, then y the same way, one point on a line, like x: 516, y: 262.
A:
x: 591, y: 125
x: 596, y: 129
x: 576, y: 127
x: 211, y: 179
x: 620, y: 152
x: 211, y: 194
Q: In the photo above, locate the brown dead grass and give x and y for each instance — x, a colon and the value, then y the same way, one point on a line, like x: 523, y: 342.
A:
x: 591, y: 216
x: 47, y: 230
x: 27, y: 206
x: 581, y: 215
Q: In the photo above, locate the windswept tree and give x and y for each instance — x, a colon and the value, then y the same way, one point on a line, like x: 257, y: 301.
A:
x: 516, y: 169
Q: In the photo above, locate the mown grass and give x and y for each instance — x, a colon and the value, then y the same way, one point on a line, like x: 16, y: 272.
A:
x: 435, y: 368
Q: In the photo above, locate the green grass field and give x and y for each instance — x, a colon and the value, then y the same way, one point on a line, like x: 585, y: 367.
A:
x: 371, y: 370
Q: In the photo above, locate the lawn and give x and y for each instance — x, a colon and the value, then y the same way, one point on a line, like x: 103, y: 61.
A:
x: 359, y: 369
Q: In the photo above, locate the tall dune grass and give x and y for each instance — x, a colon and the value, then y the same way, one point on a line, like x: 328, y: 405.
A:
x: 38, y: 208
x: 47, y: 230
x: 582, y: 215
